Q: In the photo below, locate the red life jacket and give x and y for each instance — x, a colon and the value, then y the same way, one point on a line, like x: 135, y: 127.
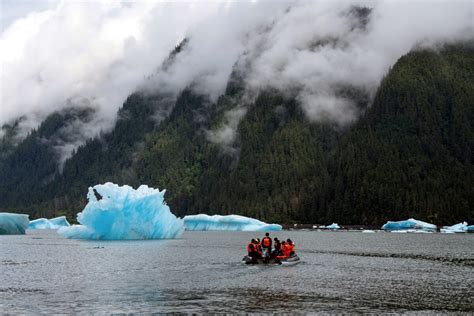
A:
x: 250, y: 247
x: 266, y: 241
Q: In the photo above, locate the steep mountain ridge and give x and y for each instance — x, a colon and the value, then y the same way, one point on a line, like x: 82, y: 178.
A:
x: 409, y: 154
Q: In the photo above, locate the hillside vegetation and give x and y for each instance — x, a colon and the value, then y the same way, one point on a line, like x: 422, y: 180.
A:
x: 410, y: 154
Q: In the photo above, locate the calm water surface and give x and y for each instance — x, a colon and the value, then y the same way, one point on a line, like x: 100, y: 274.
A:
x: 42, y: 272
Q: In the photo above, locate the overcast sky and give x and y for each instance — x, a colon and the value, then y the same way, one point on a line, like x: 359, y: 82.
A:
x: 11, y: 10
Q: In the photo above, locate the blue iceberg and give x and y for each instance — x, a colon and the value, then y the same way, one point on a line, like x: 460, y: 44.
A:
x: 121, y: 212
x: 53, y: 223
x: 13, y: 224
x: 409, y: 224
x: 203, y: 222
x: 470, y: 228
x: 333, y: 226
x: 458, y: 228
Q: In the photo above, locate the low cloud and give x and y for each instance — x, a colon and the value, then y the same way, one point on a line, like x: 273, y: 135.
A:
x: 103, y: 51
x: 227, y: 132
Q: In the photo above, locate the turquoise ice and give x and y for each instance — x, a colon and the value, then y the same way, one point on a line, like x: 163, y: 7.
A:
x: 53, y: 223
x: 13, y: 224
x: 203, y: 222
x: 408, y: 224
x: 458, y: 228
x: 121, y: 212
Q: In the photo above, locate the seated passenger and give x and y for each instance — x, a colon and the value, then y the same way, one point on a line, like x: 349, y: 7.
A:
x: 252, y: 249
x: 259, y: 247
x: 291, y: 246
x: 285, y: 250
x: 277, y: 247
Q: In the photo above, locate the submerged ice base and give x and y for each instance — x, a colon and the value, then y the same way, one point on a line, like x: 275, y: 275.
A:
x: 13, y: 224
x: 121, y: 212
x: 203, y: 222
x: 409, y: 224
x: 53, y: 223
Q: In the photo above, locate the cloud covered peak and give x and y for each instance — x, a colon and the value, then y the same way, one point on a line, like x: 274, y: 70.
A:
x: 103, y: 51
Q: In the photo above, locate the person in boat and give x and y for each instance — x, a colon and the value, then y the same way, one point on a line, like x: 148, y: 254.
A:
x: 291, y: 246
x: 284, y: 251
x: 267, y: 245
x: 277, y: 247
x: 259, y: 247
x: 252, y: 249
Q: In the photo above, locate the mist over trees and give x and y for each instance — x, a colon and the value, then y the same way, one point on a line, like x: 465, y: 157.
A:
x: 408, y: 153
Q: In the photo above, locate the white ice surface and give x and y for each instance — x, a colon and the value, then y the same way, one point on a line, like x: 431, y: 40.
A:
x: 53, y: 223
x: 204, y: 222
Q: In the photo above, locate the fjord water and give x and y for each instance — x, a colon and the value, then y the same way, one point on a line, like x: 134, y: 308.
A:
x: 41, y: 272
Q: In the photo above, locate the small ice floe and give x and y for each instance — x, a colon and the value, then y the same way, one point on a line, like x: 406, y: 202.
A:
x: 409, y: 225
x: 332, y: 226
x: 13, y: 224
x: 458, y: 228
x: 204, y: 222
x: 53, y: 223
x: 368, y: 231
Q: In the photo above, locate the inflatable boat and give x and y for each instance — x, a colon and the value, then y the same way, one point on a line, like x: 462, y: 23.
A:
x: 290, y: 261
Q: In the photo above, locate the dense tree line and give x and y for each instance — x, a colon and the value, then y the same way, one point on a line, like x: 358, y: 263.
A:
x: 409, y: 154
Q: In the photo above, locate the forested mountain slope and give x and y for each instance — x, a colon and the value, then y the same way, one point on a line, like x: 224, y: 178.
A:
x: 412, y: 153
x: 409, y: 153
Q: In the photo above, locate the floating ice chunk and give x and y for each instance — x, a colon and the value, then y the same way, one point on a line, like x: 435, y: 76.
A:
x: 82, y: 232
x: 120, y: 212
x: 368, y: 231
x: 408, y: 224
x: 458, y: 228
x: 40, y: 223
x: 203, y: 222
x: 332, y: 226
x: 13, y: 224
x: 59, y: 221
x: 470, y: 228
x: 53, y: 223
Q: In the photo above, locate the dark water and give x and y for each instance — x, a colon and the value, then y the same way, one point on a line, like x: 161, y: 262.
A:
x: 342, y: 272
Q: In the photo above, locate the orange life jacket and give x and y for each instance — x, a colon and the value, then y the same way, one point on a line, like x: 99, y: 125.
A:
x: 291, y: 247
x: 266, y: 242
x: 285, y: 251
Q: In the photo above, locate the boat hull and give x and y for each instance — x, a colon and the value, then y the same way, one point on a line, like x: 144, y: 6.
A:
x: 291, y: 261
